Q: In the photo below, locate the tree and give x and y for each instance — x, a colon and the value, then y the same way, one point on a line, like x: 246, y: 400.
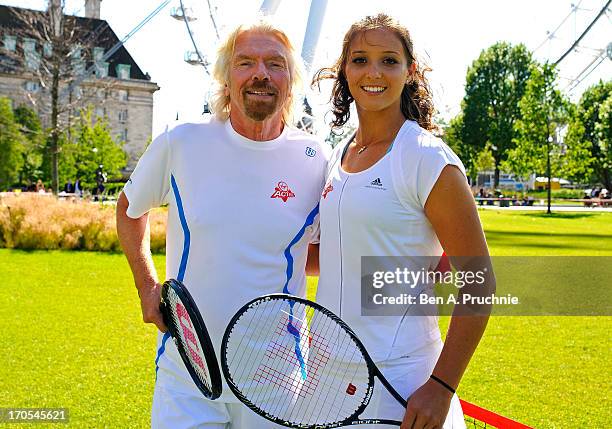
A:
x: 91, y: 146
x: 543, y: 111
x: 592, y: 125
x: 604, y: 134
x: 495, y: 83
x: 56, y: 52
x: 11, y: 146
x: 453, y: 136
x: 33, y: 146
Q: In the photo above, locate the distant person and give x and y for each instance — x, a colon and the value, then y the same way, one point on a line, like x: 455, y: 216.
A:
x: 40, y: 187
x: 69, y: 187
x: 481, y: 196
x: 100, y: 179
x: 77, y: 188
x: 245, y: 186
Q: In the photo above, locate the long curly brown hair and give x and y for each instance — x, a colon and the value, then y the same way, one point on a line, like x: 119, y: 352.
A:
x: 416, y: 98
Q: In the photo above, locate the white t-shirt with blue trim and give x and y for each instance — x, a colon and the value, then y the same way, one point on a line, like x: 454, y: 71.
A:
x: 380, y: 212
x: 241, y: 214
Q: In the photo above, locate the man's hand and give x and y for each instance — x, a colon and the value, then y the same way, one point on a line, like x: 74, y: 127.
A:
x: 427, y: 407
x: 150, y: 298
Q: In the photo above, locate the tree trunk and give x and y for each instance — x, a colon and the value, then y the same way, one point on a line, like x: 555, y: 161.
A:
x: 496, y: 180
x: 55, y: 130
x: 548, y: 174
x: 606, y: 179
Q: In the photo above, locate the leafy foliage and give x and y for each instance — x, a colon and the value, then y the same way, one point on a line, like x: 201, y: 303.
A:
x: 543, y: 111
x: 33, y: 144
x: 592, y: 124
x: 91, y: 146
x: 11, y: 145
x: 495, y: 83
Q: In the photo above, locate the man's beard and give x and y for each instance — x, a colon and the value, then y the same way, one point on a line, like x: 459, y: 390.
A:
x: 259, y: 110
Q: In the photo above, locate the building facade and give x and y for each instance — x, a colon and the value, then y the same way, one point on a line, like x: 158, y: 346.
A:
x: 103, y: 76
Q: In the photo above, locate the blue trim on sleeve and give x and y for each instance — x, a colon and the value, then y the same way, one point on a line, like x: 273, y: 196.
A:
x: 186, y: 233
x: 290, y: 327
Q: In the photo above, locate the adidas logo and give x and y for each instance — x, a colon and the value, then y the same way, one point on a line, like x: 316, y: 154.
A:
x: 376, y: 182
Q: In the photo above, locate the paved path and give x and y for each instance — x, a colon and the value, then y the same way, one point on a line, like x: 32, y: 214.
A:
x: 553, y: 208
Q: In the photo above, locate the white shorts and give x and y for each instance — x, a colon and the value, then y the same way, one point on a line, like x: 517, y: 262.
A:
x: 175, y: 410
x: 178, y: 404
x: 406, y: 374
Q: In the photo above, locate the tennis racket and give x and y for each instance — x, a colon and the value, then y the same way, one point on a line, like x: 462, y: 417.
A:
x: 297, y: 364
x: 185, y: 324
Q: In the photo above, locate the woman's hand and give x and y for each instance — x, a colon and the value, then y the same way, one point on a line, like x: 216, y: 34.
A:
x: 427, y: 407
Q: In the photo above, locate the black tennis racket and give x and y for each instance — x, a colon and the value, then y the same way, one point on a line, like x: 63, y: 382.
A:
x: 189, y: 333
x: 297, y: 364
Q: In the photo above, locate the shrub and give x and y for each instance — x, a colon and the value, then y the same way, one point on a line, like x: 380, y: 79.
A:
x: 33, y: 221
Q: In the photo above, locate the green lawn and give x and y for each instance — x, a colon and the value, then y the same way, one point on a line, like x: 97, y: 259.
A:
x: 73, y: 336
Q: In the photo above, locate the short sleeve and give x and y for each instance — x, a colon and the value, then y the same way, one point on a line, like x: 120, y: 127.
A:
x: 315, y: 236
x: 432, y: 163
x: 417, y: 165
x: 149, y: 183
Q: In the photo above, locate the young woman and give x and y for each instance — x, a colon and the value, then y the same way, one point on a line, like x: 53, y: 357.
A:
x: 396, y: 190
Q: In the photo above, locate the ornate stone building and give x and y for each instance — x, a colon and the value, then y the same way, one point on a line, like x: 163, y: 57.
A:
x: 106, y: 77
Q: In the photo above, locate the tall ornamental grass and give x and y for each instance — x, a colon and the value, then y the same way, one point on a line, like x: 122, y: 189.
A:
x: 32, y: 221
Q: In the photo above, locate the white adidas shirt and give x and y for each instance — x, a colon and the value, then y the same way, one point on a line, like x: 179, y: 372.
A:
x: 380, y: 212
x: 241, y: 214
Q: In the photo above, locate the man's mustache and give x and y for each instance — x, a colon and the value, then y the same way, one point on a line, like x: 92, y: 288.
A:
x: 262, y: 87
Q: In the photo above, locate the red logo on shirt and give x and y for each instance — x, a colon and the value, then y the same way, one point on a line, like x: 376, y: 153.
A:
x: 327, y: 190
x: 283, y: 192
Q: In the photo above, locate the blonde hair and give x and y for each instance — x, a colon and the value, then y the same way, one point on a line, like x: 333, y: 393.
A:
x: 220, y: 102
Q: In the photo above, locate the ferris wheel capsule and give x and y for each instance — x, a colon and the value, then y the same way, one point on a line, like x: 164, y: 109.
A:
x: 183, y: 14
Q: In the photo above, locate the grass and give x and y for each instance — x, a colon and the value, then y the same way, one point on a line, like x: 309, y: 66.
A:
x: 73, y: 336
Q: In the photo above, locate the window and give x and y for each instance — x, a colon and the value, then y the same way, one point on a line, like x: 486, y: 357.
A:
x: 29, y: 45
x: 31, y: 86
x: 10, y: 43
x: 123, y: 115
x: 100, y: 112
x: 78, y: 63
x: 122, y: 94
x: 77, y: 92
x: 32, y: 60
x: 101, y: 69
x: 123, y: 71
x: 78, y: 66
x: 98, y: 54
x: 47, y: 49
x: 124, y: 135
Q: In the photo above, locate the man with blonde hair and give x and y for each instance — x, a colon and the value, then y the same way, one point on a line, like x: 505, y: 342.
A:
x: 242, y: 191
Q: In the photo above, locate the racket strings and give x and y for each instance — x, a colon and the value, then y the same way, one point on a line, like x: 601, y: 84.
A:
x: 188, y: 341
x: 342, y: 408
x: 324, y: 381
x: 319, y: 342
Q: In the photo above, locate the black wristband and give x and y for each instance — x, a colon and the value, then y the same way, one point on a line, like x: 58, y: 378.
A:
x: 433, y: 377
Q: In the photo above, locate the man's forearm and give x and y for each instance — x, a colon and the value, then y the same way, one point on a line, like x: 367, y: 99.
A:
x: 312, y: 262
x: 135, y: 240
